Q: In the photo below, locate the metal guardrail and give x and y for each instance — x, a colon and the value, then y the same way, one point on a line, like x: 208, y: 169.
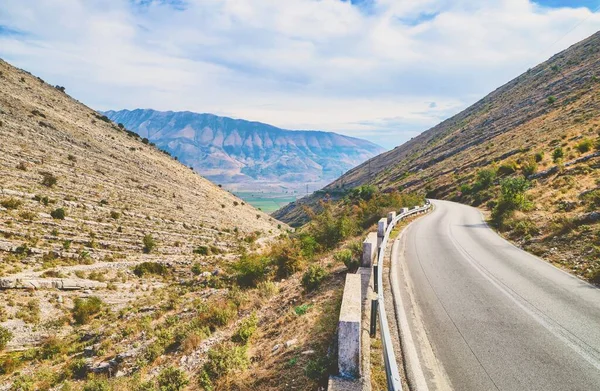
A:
x: 391, y: 365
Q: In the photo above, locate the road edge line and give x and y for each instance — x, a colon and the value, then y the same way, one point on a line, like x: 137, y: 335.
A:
x: 414, y: 371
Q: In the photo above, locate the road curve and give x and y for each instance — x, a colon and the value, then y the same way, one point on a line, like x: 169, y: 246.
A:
x: 493, y: 316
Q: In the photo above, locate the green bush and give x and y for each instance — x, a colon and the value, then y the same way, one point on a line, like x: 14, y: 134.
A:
x: 286, y: 255
x: 51, y: 347
x: 313, y: 277
x: 551, y: 100
x: 197, y: 269
x: 267, y: 289
x: 202, y: 250
x: 223, y: 360
x: 48, y: 179
x: 96, y: 384
x: 485, y: 178
x: 317, y: 368
x: 507, y: 168
x: 11, y: 203
x: 58, y: 214
x: 592, y: 199
x: 5, y: 337
x: 246, y: 330
x: 150, y: 268
x: 85, y: 309
x: 558, y: 154
x: 149, y: 243
x: 529, y: 167
x: 172, y: 379
x: 251, y: 269
x: 348, y: 258
x: 302, y: 309
x: 539, y: 156
x: 512, y: 197
x: 584, y: 145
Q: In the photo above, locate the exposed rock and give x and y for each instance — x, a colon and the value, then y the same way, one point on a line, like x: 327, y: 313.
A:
x: 228, y: 150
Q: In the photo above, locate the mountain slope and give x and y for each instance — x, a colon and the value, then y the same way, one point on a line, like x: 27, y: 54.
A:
x: 239, y: 152
x: 82, y: 200
x: 515, y: 130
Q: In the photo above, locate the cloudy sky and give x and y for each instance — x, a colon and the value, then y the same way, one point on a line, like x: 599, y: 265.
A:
x: 384, y: 70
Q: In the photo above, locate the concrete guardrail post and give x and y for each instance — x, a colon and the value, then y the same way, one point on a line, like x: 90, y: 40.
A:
x: 369, y: 249
x: 391, y: 216
x: 381, y: 227
x: 349, y: 328
x: 404, y: 210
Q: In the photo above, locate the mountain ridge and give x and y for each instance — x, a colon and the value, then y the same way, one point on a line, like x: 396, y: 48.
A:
x: 234, y: 151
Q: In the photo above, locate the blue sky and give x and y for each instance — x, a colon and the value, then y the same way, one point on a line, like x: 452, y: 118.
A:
x: 384, y: 70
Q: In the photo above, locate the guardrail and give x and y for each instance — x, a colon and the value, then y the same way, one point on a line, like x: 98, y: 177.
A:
x: 391, y: 365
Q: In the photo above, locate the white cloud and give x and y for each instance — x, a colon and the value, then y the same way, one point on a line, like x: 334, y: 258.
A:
x: 368, y: 71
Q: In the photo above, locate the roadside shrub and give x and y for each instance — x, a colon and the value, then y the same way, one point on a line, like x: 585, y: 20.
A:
x: 485, y: 178
x: 172, y: 379
x: 524, y: 228
x: 313, y: 277
x: 584, y: 145
x: 512, y: 197
x: 251, y: 269
x: 149, y: 243
x: 286, y: 256
x: 347, y: 257
x: 150, y: 268
x: 5, y: 337
x: 328, y: 230
x: 267, y: 289
x: 308, y: 245
x: 51, y: 347
x: 85, y: 309
x: 48, y: 179
x: 115, y: 215
x: 558, y: 154
x: 246, y: 330
x: 11, y: 203
x: 223, y: 359
x: 317, y: 368
x: 551, y: 100
x: 365, y: 192
x: 58, y: 214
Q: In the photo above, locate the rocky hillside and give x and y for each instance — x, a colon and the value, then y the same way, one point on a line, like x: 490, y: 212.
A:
x: 247, y: 154
x: 544, y: 126
x: 82, y: 202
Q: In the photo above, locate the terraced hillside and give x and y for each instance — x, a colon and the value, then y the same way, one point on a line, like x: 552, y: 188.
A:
x: 83, y: 202
x: 544, y: 126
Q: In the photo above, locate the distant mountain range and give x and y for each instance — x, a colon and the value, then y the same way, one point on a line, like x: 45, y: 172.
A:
x: 245, y: 154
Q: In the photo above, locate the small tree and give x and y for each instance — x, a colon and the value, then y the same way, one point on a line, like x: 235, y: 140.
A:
x: 149, y: 243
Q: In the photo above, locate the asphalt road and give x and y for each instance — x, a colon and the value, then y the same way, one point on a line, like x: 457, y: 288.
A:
x: 493, y: 316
